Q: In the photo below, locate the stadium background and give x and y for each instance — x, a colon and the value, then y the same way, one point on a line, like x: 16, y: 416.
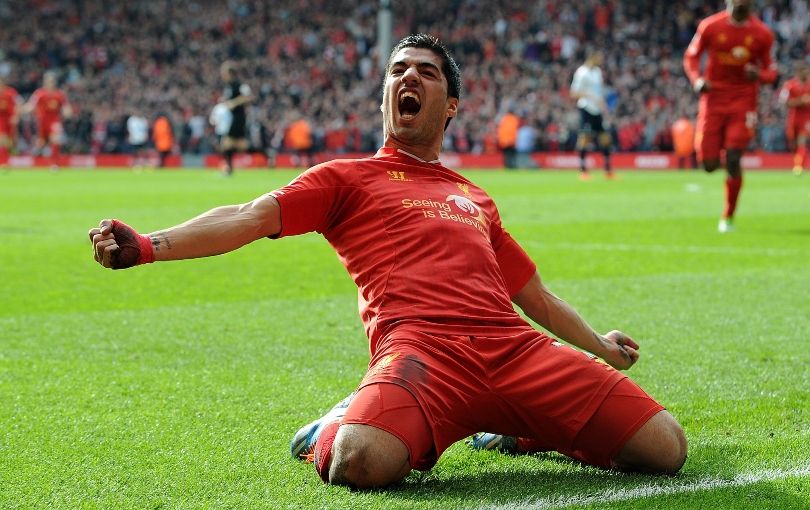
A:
x: 317, y: 61
x: 180, y: 385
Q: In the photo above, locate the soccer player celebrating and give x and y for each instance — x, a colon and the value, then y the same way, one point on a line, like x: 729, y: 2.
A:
x: 588, y: 90
x: 437, y: 275
x: 9, y: 116
x: 235, y: 96
x: 739, y: 59
x: 795, y: 95
x: 49, y: 104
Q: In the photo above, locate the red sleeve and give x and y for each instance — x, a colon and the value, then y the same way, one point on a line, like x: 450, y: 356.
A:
x: 515, y: 264
x: 691, y: 59
x: 311, y: 202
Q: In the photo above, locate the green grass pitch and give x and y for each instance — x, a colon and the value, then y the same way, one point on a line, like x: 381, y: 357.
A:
x: 179, y: 385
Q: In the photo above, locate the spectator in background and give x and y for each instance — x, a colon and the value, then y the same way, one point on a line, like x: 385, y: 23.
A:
x: 260, y: 138
x: 771, y: 133
x: 298, y: 139
x: 683, y: 141
x: 507, y: 138
x: 137, y: 138
x: 163, y: 138
x: 164, y: 56
x: 588, y: 89
x: 795, y: 94
x: 196, y: 133
x: 525, y: 144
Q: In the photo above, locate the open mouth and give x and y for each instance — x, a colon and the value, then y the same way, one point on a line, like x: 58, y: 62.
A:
x: 409, y: 105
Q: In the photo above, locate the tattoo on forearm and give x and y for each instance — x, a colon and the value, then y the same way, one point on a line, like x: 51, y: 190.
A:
x: 160, y: 240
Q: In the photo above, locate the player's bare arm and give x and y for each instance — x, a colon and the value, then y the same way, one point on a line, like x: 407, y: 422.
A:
x: 220, y: 230
x: 560, y: 319
x: 238, y: 101
x: 28, y: 107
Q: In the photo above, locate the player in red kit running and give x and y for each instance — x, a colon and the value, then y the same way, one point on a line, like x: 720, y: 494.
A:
x: 9, y: 115
x: 795, y: 95
x: 436, y: 275
x: 739, y: 59
x: 49, y: 104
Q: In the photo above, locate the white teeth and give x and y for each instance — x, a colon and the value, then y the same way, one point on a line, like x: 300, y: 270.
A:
x: 411, y: 95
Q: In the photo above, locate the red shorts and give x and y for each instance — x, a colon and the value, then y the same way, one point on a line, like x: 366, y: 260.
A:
x: 443, y: 388
x: 46, y: 128
x: 717, y: 131
x: 5, y: 126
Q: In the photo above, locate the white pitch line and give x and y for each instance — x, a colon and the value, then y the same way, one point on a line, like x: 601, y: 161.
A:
x: 660, y: 248
x: 650, y: 490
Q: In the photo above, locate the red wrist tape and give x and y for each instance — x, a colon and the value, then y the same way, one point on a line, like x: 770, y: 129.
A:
x: 147, y: 255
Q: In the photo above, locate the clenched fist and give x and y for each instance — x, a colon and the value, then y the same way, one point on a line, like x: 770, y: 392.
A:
x: 118, y: 246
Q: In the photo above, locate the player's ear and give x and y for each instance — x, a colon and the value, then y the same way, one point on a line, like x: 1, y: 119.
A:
x: 452, y: 106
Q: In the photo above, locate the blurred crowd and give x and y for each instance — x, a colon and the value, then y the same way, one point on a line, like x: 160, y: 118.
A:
x: 316, y: 61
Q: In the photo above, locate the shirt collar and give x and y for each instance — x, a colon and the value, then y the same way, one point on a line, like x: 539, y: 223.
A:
x: 391, y: 151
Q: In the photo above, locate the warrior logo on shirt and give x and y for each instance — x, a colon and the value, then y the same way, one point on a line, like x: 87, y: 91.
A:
x: 394, y: 175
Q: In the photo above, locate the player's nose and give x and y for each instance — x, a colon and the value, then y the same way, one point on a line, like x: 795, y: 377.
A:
x: 410, y: 76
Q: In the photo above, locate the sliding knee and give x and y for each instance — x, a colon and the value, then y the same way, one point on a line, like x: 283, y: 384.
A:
x: 365, y: 459
x: 658, y: 447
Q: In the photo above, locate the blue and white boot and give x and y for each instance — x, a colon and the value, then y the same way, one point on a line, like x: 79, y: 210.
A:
x: 303, y: 442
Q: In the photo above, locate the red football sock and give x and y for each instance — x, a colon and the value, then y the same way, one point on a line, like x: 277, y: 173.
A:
x: 55, y: 150
x: 323, y: 449
x: 3, y: 154
x: 528, y: 445
x: 733, y: 186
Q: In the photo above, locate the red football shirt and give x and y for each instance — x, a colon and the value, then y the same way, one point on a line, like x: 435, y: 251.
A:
x: 730, y: 47
x: 8, y: 102
x: 48, y: 103
x: 423, y: 244
x: 793, y: 89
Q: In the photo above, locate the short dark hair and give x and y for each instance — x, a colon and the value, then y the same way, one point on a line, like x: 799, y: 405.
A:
x: 449, y: 67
